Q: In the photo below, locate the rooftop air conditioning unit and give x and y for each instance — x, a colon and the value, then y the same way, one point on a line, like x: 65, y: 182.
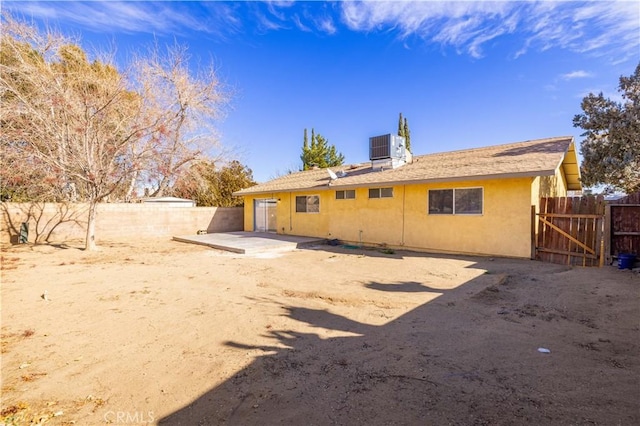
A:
x: 386, y: 146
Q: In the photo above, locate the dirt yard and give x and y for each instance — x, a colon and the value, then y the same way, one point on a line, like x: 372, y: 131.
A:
x: 162, y: 332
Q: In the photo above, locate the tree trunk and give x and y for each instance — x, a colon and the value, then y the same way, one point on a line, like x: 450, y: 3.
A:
x: 132, y: 185
x: 90, y: 240
x: 162, y: 187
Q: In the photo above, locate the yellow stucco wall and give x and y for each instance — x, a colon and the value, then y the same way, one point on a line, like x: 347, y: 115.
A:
x: 370, y: 221
x: 547, y: 186
x: 503, y: 229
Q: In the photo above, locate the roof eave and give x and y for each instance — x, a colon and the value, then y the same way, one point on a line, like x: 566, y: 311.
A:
x: 337, y: 185
x: 274, y: 191
x: 515, y: 175
x: 570, y: 168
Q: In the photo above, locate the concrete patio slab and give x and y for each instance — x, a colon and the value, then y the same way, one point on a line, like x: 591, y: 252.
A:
x: 250, y: 242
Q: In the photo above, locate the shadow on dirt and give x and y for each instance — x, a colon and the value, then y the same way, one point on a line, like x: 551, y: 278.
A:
x: 437, y: 364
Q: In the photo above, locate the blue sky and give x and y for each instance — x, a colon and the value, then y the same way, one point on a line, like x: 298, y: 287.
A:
x: 464, y: 74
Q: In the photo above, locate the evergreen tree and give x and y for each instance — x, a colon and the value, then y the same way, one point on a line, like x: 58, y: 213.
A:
x: 407, y: 135
x: 611, y: 148
x: 319, y: 153
x: 403, y: 130
x: 305, y: 144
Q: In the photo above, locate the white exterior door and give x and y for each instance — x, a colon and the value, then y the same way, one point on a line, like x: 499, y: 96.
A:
x: 264, y: 215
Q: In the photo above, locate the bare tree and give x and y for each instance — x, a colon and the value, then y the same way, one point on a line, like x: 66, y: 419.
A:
x: 94, y: 129
x: 74, y: 116
x: 184, y: 107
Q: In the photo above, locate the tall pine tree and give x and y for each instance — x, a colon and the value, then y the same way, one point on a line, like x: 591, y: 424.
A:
x: 400, y: 126
x: 403, y: 130
x: 407, y: 135
x: 305, y: 144
x: 319, y: 153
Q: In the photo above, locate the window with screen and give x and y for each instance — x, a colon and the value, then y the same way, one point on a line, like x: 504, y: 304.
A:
x: 455, y: 201
x: 308, y: 204
x: 380, y: 192
x: 347, y: 194
x: 468, y: 201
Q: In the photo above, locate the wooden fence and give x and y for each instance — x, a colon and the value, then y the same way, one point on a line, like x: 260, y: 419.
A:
x: 622, y: 227
x: 570, y: 231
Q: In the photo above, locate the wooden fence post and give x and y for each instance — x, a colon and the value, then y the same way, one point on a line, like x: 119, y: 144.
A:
x: 534, y: 237
x: 607, y: 234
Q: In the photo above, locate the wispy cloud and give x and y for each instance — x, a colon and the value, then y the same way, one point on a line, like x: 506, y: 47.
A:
x: 575, y: 74
x: 599, y: 28
x: 462, y: 25
x: 606, y: 29
x: 113, y: 17
x: 268, y: 22
x: 326, y: 25
x: 299, y: 24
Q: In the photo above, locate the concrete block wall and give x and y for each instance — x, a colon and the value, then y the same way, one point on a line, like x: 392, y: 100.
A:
x: 59, y: 222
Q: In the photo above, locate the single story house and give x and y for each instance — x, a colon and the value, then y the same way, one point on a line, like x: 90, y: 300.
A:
x: 475, y: 201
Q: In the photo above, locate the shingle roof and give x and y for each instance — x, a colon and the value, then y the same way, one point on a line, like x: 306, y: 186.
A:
x: 539, y: 157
